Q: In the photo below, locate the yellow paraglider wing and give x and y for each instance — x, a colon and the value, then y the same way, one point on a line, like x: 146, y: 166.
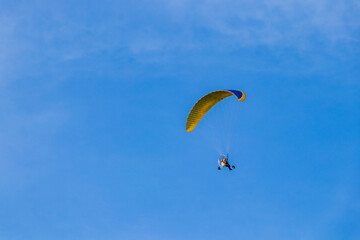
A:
x: 206, y: 103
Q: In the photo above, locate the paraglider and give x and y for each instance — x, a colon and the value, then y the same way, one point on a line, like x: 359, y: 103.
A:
x: 202, y: 106
x: 224, y: 162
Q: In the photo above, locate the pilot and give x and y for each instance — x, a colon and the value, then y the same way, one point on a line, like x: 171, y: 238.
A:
x: 223, y: 162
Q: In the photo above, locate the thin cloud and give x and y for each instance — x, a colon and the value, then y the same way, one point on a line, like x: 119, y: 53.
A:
x: 272, y: 22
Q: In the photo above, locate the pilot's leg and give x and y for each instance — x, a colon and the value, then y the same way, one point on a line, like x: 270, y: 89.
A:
x: 228, y: 165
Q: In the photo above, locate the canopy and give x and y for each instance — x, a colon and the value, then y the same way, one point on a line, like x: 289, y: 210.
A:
x: 206, y: 103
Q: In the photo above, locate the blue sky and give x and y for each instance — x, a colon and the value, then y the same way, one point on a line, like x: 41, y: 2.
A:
x: 94, y: 99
